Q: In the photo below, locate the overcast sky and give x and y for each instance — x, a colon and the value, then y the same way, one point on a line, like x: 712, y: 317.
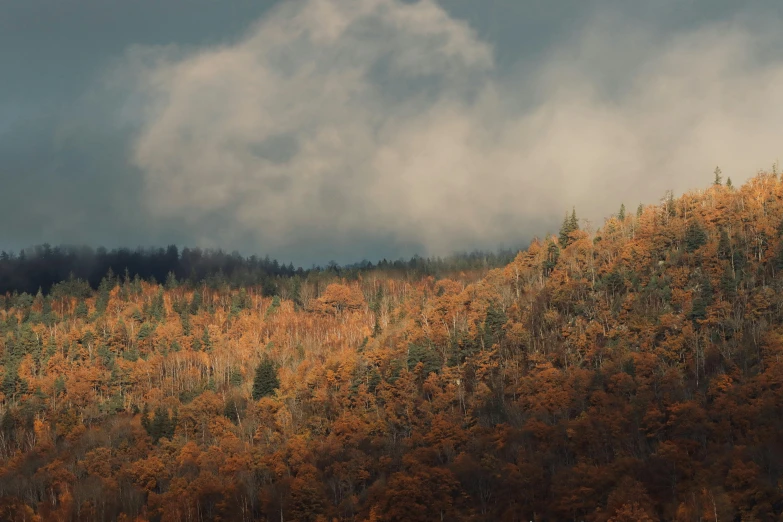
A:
x: 347, y: 129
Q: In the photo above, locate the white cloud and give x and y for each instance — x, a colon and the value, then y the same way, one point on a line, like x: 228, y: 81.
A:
x: 334, y: 119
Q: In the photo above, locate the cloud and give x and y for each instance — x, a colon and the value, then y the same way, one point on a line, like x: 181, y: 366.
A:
x: 349, y: 122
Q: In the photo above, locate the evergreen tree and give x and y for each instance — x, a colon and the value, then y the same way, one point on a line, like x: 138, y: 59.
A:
x: 728, y: 183
x: 171, y: 281
x: 727, y: 284
x: 185, y: 320
x: 702, y: 300
x: 724, y: 245
x: 145, y: 419
x: 265, y: 382
x: 206, y: 342
x: 718, y: 178
x: 639, y: 210
x: 493, y: 325
x: 158, y: 308
x: 81, y: 310
x: 195, y: 304
x: 273, y: 307
x: 695, y: 237
x: 570, y: 224
x: 104, y: 292
x: 553, y: 254
x: 621, y: 214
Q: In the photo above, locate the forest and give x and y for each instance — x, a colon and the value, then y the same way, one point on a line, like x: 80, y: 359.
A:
x: 632, y: 372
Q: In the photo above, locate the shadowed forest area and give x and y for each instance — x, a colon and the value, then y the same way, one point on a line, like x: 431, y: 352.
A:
x: 57, y: 270
x: 628, y: 373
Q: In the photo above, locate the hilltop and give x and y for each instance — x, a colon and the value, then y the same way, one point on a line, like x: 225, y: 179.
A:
x: 631, y: 372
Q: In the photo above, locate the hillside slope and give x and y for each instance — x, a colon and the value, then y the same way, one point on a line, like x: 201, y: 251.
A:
x: 628, y: 373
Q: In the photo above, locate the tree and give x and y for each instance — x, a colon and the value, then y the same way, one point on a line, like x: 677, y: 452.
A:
x: 570, y: 224
x: 695, y: 237
x: 718, y: 178
x: 81, y: 310
x: 265, y: 382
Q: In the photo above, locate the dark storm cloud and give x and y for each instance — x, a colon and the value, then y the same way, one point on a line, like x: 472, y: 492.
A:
x: 331, y: 129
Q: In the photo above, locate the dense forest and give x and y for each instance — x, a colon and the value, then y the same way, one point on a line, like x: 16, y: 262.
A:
x: 628, y: 373
x: 45, y: 268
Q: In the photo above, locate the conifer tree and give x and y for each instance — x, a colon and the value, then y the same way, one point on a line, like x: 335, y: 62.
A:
x: 81, y: 310
x: 265, y: 382
x: 718, y: 178
x: 570, y: 224
x: 695, y: 237
x: 195, y: 304
x: 621, y: 214
x: 171, y: 281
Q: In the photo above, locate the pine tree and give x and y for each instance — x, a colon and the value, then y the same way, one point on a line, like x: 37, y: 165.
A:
x: 695, y: 237
x: 171, y: 281
x: 621, y: 214
x: 81, y: 310
x: 185, y: 320
x: 639, y: 210
x: 265, y: 382
x: 724, y: 245
x: 158, y: 308
x: 570, y: 224
x: 553, y: 254
x: 195, y: 304
x: 206, y: 342
x: 145, y: 419
x: 718, y: 178
x: 728, y: 183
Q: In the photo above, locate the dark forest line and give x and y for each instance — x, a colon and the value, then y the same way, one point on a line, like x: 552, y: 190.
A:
x: 49, y: 268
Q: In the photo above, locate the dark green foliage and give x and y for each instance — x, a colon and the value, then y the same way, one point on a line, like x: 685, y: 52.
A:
x: 240, y: 301
x: 206, y: 341
x: 185, y: 320
x: 171, y: 281
x: 235, y: 377
x: 724, y: 245
x: 265, y: 382
x: 195, y: 303
x: 494, y: 322
x: 145, y: 331
x: 695, y: 237
x: 162, y: 424
x: 621, y: 214
x: 10, y: 380
x: 426, y: 355
x: 718, y: 178
x: 273, y: 307
x: 614, y: 282
x: 158, y: 307
x: 235, y: 408
x: 570, y: 224
x: 727, y: 284
x: 553, y: 254
x: 702, y: 300
x: 81, y: 311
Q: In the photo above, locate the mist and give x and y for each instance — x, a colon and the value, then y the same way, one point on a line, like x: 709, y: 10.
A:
x: 347, y: 129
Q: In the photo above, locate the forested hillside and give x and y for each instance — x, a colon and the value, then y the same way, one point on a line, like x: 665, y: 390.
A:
x: 629, y: 373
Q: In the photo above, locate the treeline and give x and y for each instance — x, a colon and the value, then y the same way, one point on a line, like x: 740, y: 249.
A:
x: 43, y: 267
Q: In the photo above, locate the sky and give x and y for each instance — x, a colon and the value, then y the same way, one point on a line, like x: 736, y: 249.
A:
x: 318, y: 130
